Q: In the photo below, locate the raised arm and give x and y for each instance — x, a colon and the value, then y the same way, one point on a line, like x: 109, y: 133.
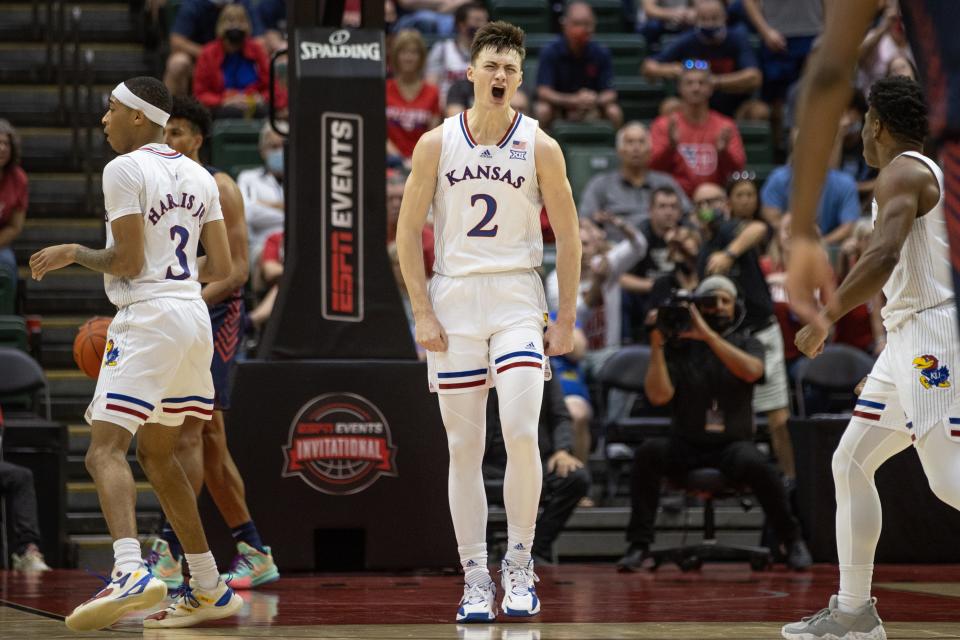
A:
x: 558, y: 200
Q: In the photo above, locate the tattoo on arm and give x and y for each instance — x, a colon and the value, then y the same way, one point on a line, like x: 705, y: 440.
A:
x: 97, y: 259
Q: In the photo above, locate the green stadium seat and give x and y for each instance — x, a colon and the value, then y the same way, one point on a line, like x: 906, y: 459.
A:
x: 639, y: 98
x: 597, y: 133
x: 533, y: 16
x: 584, y: 161
x: 13, y: 332
x: 234, y: 142
x: 8, y: 294
x: 235, y: 169
x: 535, y: 42
x: 628, y: 50
x: 609, y: 15
x: 757, y: 141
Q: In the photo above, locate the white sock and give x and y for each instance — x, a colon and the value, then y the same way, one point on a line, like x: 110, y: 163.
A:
x: 203, y: 569
x: 473, y: 559
x: 519, y: 543
x: 855, y: 582
x: 127, y: 555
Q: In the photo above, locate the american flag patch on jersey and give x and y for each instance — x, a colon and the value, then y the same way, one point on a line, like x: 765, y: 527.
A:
x: 519, y: 145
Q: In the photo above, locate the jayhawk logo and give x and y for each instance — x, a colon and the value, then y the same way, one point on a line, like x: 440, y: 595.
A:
x: 931, y: 374
x: 111, y: 354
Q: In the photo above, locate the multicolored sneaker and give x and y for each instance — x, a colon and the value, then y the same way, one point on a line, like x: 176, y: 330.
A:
x: 251, y: 568
x: 192, y: 605
x: 124, y: 593
x: 163, y: 565
x: 478, y: 603
x: 520, y: 593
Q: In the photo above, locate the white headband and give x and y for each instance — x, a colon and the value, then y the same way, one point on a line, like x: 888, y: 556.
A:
x: 126, y: 97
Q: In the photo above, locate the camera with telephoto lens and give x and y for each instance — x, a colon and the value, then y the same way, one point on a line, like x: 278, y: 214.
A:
x: 673, y: 316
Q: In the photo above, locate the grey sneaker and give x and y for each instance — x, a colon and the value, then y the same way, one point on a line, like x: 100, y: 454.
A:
x: 31, y: 561
x: 833, y: 624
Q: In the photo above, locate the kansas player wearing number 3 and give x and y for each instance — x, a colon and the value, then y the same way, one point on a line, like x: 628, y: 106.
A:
x: 487, y: 172
x: 159, y: 205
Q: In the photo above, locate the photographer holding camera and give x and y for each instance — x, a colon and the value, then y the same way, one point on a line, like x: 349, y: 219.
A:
x: 703, y: 363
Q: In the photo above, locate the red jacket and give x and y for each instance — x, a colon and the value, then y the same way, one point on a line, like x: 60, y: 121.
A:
x: 695, y: 159
x: 208, y: 82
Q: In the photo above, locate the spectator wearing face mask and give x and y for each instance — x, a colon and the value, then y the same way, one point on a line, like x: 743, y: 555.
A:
x: 448, y: 59
x: 194, y: 26
x: 733, y: 64
x: 575, y: 75
x: 262, y: 190
x: 232, y: 78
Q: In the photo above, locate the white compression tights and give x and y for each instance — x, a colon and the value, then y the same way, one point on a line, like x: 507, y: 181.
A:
x: 520, y: 393
x: 861, y: 452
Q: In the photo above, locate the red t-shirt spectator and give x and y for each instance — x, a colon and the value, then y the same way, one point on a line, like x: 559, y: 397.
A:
x: 695, y: 159
x: 209, y: 85
x: 408, y: 120
x: 273, y: 248
x: 14, y: 193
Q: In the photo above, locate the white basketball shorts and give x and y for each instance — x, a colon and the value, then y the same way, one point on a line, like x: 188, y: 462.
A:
x: 156, y: 366
x: 912, y: 385
x: 494, y: 323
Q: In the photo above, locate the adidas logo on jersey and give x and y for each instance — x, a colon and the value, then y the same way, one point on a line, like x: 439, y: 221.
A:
x: 486, y: 154
x: 530, y: 345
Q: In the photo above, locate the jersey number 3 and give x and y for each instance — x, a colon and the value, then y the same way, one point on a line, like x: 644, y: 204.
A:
x: 184, y: 235
x: 479, y: 231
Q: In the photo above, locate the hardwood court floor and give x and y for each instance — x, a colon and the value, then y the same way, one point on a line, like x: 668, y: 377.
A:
x: 581, y: 602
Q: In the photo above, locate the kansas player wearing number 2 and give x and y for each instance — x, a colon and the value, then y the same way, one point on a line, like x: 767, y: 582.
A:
x: 159, y: 205
x: 487, y: 172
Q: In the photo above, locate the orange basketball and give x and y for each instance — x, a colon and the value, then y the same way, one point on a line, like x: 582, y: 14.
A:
x: 89, y: 344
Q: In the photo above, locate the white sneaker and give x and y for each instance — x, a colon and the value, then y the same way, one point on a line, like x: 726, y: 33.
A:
x: 478, y: 603
x: 520, y: 594
x: 31, y: 561
x: 126, y: 592
x: 192, y: 605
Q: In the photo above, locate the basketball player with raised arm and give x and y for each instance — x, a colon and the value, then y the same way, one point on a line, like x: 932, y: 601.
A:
x: 202, y: 448
x: 909, y: 398
x: 487, y: 172
x: 931, y: 27
x: 156, y: 370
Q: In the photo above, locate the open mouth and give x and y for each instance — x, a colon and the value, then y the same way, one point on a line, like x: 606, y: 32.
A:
x: 498, y: 92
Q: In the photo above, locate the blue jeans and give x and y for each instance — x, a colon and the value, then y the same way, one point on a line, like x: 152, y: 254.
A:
x: 8, y: 280
x: 424, y: 21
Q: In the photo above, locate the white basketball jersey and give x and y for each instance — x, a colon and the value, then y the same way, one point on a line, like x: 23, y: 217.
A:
x: 487, y: 203
x: 921, y: 280
x: 176, y: 197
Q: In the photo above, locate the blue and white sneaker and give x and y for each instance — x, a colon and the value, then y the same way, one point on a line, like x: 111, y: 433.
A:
x: 478, y: 603
x: 192, y: 605
x: 520, y: 594
x: 124, y: 593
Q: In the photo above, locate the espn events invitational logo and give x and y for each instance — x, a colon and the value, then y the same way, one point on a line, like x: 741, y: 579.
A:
x: 339, y: 444
x: 341, y: 168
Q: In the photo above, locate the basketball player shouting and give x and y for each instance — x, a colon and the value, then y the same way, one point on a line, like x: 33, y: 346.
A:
x: 487, y: 172
x: 159, y: 205
x: 202, y: 449
x: 909, y: 397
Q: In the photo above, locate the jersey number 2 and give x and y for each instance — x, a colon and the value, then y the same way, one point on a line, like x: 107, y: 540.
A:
x: 479, y: 231
x: 184, y: 235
